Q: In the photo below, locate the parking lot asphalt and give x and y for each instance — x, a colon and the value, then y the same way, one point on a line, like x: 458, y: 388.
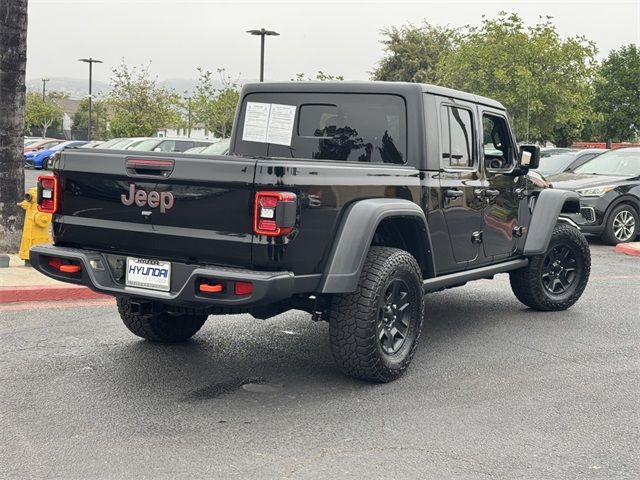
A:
x: 495, y: 391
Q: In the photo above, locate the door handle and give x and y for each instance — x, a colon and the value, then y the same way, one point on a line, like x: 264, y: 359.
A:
x: 451, y: 193
x: 149, y: 167
x: 491, y: 193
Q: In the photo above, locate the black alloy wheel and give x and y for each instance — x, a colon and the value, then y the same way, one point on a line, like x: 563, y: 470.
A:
x: 559, y: 269
x: 555, y: 280
x: 394, y: 316
x: 374, y: 331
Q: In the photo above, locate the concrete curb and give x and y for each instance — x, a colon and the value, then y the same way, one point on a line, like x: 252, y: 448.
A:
x: 632, y: 249
x: 47, y: 293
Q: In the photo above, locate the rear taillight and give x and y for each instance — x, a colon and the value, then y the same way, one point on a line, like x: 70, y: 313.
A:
x: 48, y: 195
x: 274, y: 214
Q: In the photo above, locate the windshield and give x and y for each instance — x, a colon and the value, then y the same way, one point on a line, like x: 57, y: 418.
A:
x: 555, y: 163
x: 145, y: 145
x: 60, y: 146
x: 625, y: 161
x: 132, y: 143
x: 112, y: 142
x: 218, y: 148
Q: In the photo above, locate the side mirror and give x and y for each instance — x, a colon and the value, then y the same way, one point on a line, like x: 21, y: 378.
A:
x: 529, y: 156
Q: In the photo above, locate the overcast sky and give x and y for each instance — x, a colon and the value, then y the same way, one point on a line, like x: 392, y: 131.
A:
x: 338, y: 37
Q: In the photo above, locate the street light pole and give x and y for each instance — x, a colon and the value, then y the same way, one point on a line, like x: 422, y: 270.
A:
x: 262, y: 58
x: 188, y: 99
x: 44, y: 88
x: 90, y: 61
x: 98, y: 119
x: 263, y: 33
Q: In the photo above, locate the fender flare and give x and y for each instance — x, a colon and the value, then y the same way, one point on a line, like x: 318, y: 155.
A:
x: 548, y: 206
x: 355, y: 234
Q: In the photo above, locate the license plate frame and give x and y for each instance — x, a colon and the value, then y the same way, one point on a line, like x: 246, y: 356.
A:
x: 148, y: 273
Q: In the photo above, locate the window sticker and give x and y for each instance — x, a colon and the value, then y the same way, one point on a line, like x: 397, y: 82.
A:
x: 269, y: 123
x: 256, y: 121
x: 281, y: 120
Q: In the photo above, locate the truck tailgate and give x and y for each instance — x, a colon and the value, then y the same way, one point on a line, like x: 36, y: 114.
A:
x: 188, y: 208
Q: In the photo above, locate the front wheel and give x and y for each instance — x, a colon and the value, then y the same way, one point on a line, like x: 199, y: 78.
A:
x: 622, y: 225
x: 160, y: 326
x: 374, y: 330
x: 556, y: 279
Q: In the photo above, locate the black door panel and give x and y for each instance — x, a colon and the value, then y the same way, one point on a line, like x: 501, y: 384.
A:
x: 459, y: 181
x: 501, y: 189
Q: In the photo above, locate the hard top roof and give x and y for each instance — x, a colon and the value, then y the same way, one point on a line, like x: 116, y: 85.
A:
x: 399, y: 88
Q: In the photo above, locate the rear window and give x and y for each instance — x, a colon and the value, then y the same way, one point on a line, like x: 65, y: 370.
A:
x: 368, y: 128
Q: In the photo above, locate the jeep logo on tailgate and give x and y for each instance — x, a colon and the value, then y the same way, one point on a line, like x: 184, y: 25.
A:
x: 153, y: 199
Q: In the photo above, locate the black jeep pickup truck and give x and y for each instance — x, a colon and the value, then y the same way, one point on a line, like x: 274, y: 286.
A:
x: 347, y: 200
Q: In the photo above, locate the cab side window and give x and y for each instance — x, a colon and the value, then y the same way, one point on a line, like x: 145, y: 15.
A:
x: 456, y: 137
x: 497, y: 145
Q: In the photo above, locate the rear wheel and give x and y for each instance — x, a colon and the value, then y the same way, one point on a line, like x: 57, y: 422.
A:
x: 556, y: 279
x: 622, y: 225
x: 374, y: 331
x: 161, y: 326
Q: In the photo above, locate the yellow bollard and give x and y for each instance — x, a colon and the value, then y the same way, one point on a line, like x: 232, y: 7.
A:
x: 36, y: 224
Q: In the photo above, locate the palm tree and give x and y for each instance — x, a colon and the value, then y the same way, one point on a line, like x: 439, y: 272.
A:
x: 13, y: 61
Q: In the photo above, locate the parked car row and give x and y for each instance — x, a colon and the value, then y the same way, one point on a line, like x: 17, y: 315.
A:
x: 558, y: 160
x: 33, y: 144
x: 609, y: 189
x: 156, y: 144
x: 41, y: 150
x: 39, y: 158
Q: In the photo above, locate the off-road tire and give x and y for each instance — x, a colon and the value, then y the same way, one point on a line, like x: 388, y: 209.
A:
x: 608, y: 236
x: 528, y: 284
x: 354, y: 318
x: 161, y: 326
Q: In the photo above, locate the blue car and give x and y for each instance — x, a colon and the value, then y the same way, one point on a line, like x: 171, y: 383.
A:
x: 39, y: 158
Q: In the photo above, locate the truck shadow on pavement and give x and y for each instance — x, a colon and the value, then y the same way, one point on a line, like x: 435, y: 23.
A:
x: 290, y: 355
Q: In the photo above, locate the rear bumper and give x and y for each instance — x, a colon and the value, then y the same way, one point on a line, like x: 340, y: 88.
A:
x: 101, y: 272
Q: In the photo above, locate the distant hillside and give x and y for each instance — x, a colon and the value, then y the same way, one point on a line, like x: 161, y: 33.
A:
x: 78, y: 88
x: 188, y: 85
x: 180, y: 85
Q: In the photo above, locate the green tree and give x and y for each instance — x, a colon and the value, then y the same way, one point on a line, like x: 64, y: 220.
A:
x: 544, y: 81
x: 99, y: 118
x: 617, y: 94
x: 412, y: 53
x: 42, y: 114
x: 13, y: 61
x: 139, y: 106
x: 215, y: 107
x: 320, y: 77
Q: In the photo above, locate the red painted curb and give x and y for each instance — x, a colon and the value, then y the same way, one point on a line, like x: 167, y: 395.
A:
x: 632, y: 249
x: 47, y: 293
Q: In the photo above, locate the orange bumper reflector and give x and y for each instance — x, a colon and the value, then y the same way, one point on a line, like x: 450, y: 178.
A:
x: 205, y: 287
x: 69, y: 268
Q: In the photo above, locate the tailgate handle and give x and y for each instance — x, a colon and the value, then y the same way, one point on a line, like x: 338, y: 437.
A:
x: 149, y: 167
